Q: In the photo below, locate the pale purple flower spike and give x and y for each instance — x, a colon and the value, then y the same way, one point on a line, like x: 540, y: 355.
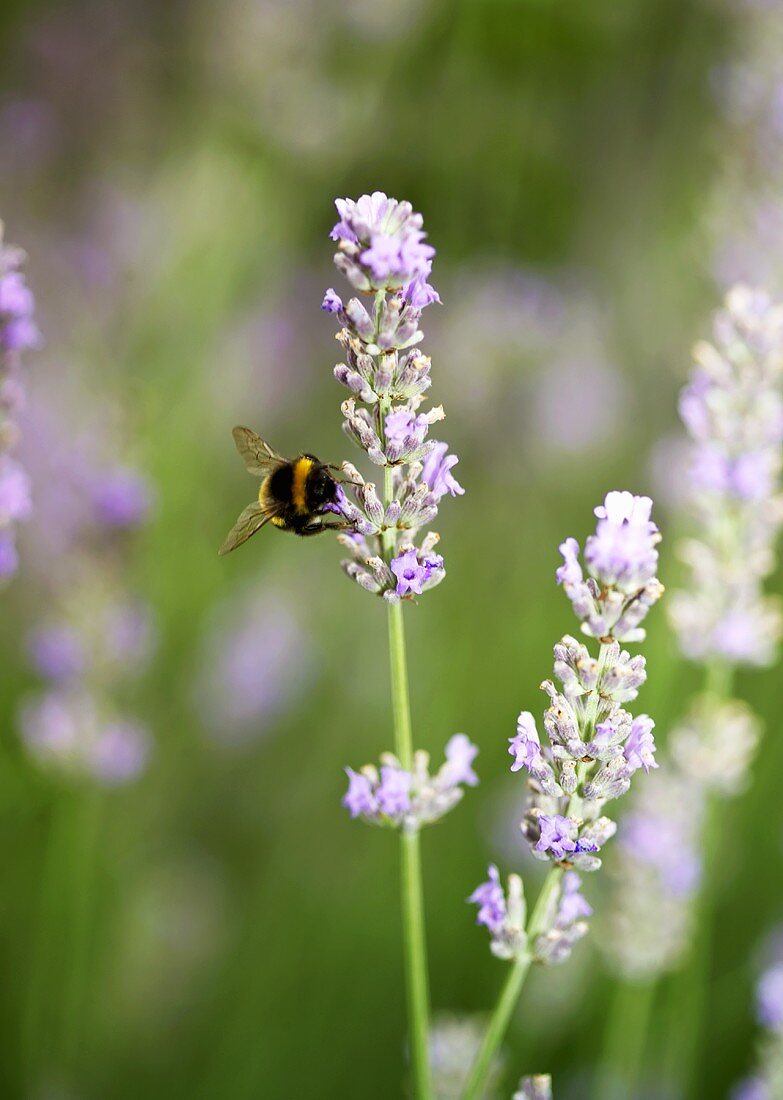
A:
x: 593, y: 746
x: 732, y: 408
x: 382, y: 249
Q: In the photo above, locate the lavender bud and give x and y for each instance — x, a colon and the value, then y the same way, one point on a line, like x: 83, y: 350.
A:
x: 360, y: 319
x: 353, y: 381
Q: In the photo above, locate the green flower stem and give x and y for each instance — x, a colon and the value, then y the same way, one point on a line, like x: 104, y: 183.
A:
x: 539, y: 920
x: 414, y: 942
x: 625, y: 1040
x: 691, y: 984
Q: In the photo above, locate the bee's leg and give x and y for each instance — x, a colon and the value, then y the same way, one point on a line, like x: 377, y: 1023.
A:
x: 339, y: 470
x: 317, y: 528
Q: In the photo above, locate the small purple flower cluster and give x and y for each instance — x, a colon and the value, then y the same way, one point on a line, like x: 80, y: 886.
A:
x: 395, y: 797
x: 621, y: 560
x: 595, y: 745
x: 18, y: 333
x: 503, y: 913
x: 382, y: 249
x: 732, y: 408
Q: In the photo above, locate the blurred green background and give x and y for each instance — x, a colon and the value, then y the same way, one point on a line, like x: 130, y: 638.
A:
x: 219, y: 927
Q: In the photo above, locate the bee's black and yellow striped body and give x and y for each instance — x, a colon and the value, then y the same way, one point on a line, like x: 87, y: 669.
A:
x: 294, y: 494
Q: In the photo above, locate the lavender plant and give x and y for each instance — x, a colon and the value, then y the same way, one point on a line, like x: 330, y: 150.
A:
x: 594, y: 747
x: 732, y: 408
x: 382, y: 251
x: 18, y: 333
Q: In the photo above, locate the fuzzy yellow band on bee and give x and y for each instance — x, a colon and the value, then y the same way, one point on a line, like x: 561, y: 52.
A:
x: 302, y: 467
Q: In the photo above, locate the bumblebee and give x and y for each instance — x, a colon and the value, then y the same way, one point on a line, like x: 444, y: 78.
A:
x: 294, y: 494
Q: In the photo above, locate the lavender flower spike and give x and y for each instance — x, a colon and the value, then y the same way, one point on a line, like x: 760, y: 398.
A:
x: 732, y: 408
x: 621, y: 560
x: 18, y: 333
x: 593, y: 748
x: 382, y: 248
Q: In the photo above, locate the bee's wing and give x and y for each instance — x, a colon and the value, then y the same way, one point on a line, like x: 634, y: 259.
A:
x: 251, y: 520
x: 258, y: 456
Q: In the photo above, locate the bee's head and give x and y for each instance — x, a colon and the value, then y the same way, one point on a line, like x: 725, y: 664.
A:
x: 322, y: 487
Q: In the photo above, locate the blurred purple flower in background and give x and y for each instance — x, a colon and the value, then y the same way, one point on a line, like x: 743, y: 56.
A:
x: 255, y: 660
x: 732, y: 408
x: 57, y: 652
x: 769, y: 998
x: 120, y: 752
x: 122, y: 498
x: 18, y: 333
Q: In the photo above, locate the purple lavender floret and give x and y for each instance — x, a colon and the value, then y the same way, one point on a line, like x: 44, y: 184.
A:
x: 414, y: 572
x: 393, y: 791
x: 491, y: 900
x: 332, y: 302
x: 437, y: 474
x: 558, y: 835
x: 359, y: 798
x: 460, y: 754
x: 639, y: 749
x: 525, y: 747
x: 573, y: 905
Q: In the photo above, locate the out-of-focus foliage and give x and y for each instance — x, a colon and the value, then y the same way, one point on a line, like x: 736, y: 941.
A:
x: 216, y: 927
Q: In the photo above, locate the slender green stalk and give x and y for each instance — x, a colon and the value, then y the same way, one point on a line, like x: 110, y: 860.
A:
x: 625, y: 1040
x: 414, y: 942
x: 690, y: 985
